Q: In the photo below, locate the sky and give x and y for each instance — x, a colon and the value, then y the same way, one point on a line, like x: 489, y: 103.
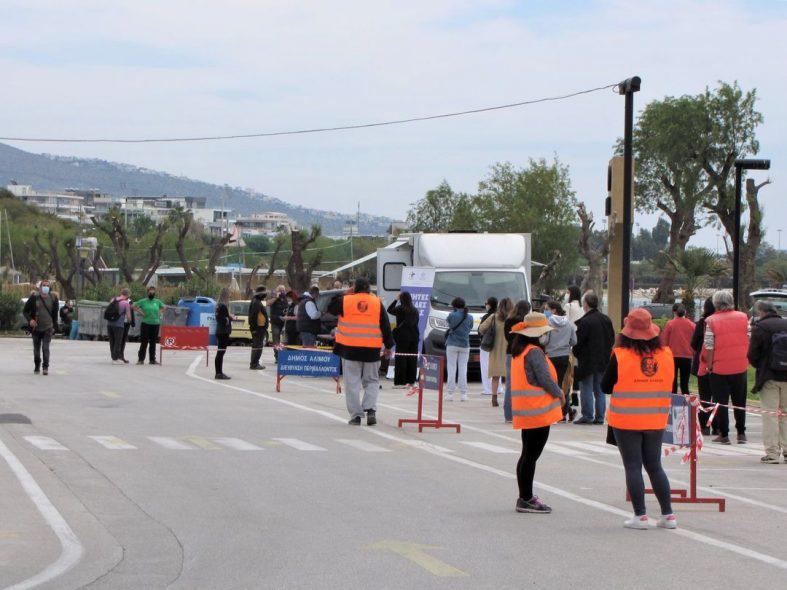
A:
x: 87, y: 68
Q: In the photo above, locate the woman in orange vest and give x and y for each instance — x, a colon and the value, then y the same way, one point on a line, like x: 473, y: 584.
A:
x: 536, y: 403
x: 639, y: 377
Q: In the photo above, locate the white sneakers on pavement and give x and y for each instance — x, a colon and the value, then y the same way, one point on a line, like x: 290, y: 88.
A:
x: 668, y: 521
x: 640, y: 523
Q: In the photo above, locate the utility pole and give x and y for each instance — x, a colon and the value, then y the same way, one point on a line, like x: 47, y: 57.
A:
x: 8, y: 233
x: 627, y: 88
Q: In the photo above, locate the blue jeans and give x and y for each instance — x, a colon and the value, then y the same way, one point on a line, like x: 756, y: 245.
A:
x: 591, y: 396
x: 507, y: 411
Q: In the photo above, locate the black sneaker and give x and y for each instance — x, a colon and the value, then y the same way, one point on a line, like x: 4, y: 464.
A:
x: 722, y: 440
x: 45, y: 371
x: 583, y: 421
x: 154, y: 363
x: 371, y: 417
x: 742, y: 440
x: 598, y: 422
x: 534, y: 505
x: 36, y: 371
x: 223, y: 377
x: 257, y: 367
x: 140, y: 362
x: 355, y: 421
x: 705, y: 431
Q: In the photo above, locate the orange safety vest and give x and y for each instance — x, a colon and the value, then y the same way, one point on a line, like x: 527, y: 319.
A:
x: 532, y: 406
x: 359, y: 322
x: 642, y: 397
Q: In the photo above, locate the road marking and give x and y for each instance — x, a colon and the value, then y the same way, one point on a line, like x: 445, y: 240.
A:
x: 71, y: 548
x: 756, y: 489
x: 202, y: 443
x: 299, y: 444
x: 114, y: 443
x: 110, y: 394
x: 237, y: 444
x: 490, y: 448
x: 362, y: 445
x: 682, y: 532
x: 418, y: 555
x: 45, y: 443
x: 589, y: 447
x: 170, y: 443
x: 10, y: 535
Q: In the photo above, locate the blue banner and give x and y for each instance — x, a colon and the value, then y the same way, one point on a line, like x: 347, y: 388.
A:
x: 678, y: 427
x: 418, y: 282
x: 431, y: 376
x: 308, y: 363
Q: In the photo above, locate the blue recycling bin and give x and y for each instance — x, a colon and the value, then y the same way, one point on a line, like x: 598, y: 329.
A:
x: 202, y: 312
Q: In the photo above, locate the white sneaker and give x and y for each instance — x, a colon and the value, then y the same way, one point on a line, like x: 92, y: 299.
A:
x: 668, y: 521
x: 449, y: 397
x: 639, y: 523
x: 463, y: 398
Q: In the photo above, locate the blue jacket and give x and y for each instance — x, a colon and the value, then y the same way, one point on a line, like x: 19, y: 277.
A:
x: 459, y: 330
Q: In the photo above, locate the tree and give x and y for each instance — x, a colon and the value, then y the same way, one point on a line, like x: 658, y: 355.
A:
x: 299, y: 272
x: 281, y: 240
x: 114, y: 228
x: 182, y: 221
x: 594, y: 246
x: 648, y: 244
x: 435, y: 211
x: 696, y: 266
x: 61, y: 265
x: 537, y: 199
x: 669, y: 176
x: 733, y: 120
x: 155, y: 252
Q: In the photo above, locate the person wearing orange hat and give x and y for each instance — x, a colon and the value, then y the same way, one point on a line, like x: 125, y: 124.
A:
x: 536, y: 403
x: 639, y: 377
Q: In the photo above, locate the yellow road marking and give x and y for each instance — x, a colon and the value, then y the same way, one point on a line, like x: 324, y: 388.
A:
x: 202, y: 443
x: 110, y: 394
x: 417, y: 554
x: 10, y: 534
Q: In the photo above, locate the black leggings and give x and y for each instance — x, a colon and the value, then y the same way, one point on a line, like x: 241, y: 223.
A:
x: 533, y: 442
x: 222, y: 341
x: 682, y: 366
x: 703, y: 386
x: 638, y: 449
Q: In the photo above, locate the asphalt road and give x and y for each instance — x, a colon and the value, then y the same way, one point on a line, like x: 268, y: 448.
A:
x: 152, y: 477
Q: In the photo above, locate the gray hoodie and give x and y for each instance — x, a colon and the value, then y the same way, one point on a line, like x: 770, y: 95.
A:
x: 560, y: 340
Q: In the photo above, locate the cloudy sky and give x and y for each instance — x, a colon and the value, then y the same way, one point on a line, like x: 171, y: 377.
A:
x: 200, y: 67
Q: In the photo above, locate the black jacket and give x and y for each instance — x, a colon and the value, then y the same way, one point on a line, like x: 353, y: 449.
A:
x: 595, y: 339
x: 406, y: 333
x: 278, y: 309
x: 223, y: 321
x: 361, y: 353
x: 760, y: 349
x: 257, y: 306
x: 31, y: 309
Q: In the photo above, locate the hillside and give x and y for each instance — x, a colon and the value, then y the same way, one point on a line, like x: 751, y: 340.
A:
x: 45, y: 171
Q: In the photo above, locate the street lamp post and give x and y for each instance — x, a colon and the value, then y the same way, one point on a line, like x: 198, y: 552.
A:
x: 740, y: 165
x: 627, y: 88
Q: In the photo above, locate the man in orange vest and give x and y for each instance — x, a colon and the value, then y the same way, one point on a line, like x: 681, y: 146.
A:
x: 361, y: 333
x: 725, y: 347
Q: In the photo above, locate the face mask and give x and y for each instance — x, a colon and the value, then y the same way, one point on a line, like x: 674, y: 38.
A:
x: 45, y: 290
x: 547, y: 313
x: 289, y: 302
x: 151, y: 295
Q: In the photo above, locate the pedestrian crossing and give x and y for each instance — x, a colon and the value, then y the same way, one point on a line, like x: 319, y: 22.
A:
x: 569, y: 448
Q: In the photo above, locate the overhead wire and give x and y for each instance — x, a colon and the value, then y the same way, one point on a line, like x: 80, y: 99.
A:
x: 315, y: 129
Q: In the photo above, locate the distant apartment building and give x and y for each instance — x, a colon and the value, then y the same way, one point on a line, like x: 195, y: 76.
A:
x: 264, y: 224
x: 65, y: 205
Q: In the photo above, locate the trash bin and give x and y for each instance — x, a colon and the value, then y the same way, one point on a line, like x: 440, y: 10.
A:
x: 202, y: 312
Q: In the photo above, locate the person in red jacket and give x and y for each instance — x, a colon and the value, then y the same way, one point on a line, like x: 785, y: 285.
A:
x: 724, y: 349
x: 677, y: 337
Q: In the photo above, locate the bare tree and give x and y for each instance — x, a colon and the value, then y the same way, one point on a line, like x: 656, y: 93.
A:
x: 182, y: 221
x: 112, y: 225
x: 546, y: 272
x: 63, y: 275
x: 299, y: 273
x: 279, y: 244
x: 216, y: 249
x: 155, y: 252
x: 594, y: 247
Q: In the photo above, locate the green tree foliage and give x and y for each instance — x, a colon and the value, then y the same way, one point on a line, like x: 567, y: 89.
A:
x: 442, y: 209
x: 648, y: 243
x: 696, y: 266
x: 10, y: 308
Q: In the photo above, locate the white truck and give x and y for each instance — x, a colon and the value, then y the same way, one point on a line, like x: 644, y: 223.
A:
x: 473, y: 266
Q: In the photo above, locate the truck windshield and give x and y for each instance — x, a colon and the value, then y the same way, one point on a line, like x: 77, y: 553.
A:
x: 475, y: 287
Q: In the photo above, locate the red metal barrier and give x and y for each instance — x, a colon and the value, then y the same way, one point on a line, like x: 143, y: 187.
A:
x: 438, y: 371
x: 184, y: 338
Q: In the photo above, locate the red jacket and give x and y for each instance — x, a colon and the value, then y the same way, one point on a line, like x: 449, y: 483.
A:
x: 677, y: 336
x: 730, y: 341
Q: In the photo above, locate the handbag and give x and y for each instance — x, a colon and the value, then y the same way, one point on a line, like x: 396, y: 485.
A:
x: 488, y: 339
x: 442, y: 338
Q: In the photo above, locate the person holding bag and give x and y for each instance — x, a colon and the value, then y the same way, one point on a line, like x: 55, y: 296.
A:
x: 457, y: 348
x: 493, y: 334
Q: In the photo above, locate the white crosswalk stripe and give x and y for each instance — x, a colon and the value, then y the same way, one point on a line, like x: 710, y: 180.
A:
x: 237, y: 444
x: 592, y: 447
x: 560, y: 450
x: 172, y: 444
x: 45, y: 443
x: 298, y: 444
x: 362, y: 445
x: 113, y: 443
x: 490, y: 448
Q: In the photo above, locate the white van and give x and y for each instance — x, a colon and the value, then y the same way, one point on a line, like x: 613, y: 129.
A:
x: 467, y: 265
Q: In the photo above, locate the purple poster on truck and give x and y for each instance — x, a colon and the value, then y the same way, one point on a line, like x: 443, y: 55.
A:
x: 418, y: 281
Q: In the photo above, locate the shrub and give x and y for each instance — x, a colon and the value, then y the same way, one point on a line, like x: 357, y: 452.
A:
x: 10, y: 308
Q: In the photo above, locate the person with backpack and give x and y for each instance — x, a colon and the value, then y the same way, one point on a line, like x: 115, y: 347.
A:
x: 258, y: 325
x: 40, y: 311
x: 768, y: 354
x: 118, y: 314
x: 457, y: 348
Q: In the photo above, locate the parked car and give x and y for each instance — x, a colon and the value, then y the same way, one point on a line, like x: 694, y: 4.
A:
x: 241, y: 334
x: 776, y: 296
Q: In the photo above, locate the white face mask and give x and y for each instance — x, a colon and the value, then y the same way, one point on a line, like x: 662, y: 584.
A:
x: 45, y: 289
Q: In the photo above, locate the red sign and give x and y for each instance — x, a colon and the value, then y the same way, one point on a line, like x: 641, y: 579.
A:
x: 184, y: 338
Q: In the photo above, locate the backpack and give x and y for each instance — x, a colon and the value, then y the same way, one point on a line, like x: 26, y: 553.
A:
x: 777, y: 359
x: 112, y: 311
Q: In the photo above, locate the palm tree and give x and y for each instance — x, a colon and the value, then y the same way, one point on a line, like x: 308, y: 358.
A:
x: 696, y: 266
x: 776, y: 271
